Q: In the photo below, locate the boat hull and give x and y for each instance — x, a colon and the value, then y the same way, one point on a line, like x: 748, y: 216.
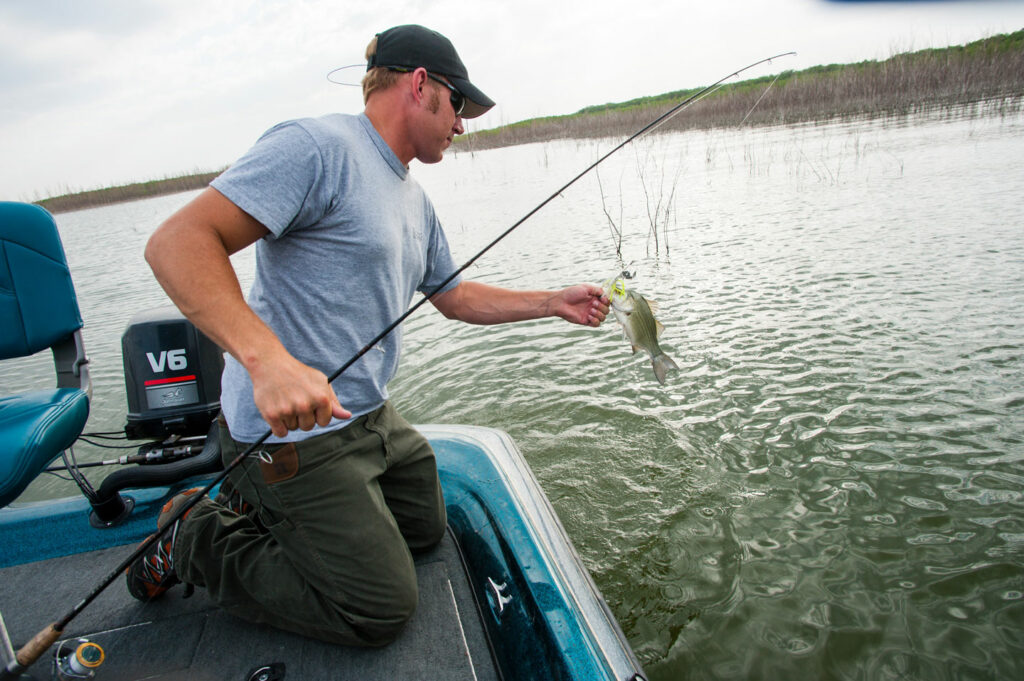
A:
x: 512, y: 581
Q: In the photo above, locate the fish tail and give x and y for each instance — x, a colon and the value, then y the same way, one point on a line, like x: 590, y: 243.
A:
x: 662, y: 365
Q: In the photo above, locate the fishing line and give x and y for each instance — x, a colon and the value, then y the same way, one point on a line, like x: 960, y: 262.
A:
x: 770, y: 85
x: 41, y: 642
x: 331, y: 77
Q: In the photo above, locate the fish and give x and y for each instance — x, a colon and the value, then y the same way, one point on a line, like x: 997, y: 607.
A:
x: 639, y: 326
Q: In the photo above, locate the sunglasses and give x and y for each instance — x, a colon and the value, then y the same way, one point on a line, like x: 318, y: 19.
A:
x: 457, y: 98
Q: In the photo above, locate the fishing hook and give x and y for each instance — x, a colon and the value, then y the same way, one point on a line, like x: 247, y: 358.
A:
x: 41, y: 642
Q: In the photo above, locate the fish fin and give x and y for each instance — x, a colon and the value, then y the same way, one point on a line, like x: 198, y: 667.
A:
x: 653, y: 304
x: 635, y: 348
x: 659, y: 329
x: 662, y: 365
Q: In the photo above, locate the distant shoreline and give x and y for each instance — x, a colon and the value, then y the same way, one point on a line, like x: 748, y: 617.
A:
x: 987, y: 71
x: 127, y: 192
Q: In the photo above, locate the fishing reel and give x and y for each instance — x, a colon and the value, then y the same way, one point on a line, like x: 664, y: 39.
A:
x: 77, y: 660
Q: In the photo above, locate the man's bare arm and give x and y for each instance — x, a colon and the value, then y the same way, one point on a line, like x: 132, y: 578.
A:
x: 478, y: 303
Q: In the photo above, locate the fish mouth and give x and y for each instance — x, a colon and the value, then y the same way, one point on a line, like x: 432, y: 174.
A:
x: 614, y: 287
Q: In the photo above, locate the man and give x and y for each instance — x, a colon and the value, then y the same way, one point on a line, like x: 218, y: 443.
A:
x: 315, y: 534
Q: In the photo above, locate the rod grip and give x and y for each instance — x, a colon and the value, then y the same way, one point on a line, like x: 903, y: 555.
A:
x: 39, y: 644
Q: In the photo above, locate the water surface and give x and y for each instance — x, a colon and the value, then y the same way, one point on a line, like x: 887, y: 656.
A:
x: 830, y: 487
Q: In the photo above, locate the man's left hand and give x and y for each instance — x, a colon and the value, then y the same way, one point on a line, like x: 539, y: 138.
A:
x: 584, y: 304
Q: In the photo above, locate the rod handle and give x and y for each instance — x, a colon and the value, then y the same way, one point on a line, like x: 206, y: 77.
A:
x: 31, y: 651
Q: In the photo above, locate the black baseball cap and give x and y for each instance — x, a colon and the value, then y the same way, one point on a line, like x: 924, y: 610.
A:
x: 411, y: 46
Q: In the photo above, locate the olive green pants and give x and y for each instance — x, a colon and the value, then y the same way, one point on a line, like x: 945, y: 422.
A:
x: 325, y: 551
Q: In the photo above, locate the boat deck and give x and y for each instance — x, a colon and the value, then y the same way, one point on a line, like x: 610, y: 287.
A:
x: 178, y: 638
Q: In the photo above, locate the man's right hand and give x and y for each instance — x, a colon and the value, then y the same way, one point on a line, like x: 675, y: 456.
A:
x: 293, y: 396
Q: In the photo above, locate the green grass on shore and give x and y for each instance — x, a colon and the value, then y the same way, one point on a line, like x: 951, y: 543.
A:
x: 985, y: 70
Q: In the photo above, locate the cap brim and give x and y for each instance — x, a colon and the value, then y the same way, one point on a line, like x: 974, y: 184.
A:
x: 477, y: 103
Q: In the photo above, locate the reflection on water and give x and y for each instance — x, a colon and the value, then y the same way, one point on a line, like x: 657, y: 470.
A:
x: 830, y: 487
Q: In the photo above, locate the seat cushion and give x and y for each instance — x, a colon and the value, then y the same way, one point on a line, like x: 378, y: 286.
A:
x: 34, y: 429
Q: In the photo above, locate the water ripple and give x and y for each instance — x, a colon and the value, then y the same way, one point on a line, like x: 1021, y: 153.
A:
x: 831, y: 485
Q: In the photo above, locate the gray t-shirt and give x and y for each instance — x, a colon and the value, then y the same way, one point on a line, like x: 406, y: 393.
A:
x: 353, y: 237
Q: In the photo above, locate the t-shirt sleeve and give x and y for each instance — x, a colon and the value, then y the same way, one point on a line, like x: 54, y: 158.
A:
x: 279, y: 181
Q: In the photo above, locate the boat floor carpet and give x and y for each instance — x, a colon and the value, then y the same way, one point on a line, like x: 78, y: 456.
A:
x: 175, y: 638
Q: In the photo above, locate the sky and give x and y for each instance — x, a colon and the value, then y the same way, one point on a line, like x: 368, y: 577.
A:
x: 109, y: 92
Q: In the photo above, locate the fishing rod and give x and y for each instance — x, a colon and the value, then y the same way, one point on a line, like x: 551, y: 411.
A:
x: 41, y: 642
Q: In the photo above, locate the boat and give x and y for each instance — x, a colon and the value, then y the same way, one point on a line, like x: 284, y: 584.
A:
x: 504, y: 596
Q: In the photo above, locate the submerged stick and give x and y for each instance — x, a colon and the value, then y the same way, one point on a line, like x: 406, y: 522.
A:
x: 32, y: 650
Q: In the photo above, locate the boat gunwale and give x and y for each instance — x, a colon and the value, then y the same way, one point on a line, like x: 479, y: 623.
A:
x: 549, y: 540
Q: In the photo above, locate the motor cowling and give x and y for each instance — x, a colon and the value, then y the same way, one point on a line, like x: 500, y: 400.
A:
x: 172, y: 376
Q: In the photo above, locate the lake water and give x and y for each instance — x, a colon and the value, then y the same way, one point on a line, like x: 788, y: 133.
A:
x: 831, y: 485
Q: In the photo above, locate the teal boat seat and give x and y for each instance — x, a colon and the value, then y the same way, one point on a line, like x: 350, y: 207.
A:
x: 38, y: 311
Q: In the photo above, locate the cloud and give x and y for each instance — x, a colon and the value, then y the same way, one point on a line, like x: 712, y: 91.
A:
x: 108, y: 17
x: 111, y: 91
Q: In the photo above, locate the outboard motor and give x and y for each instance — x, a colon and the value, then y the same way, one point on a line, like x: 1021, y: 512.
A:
x: 172, y: 380
x: 172, y: 376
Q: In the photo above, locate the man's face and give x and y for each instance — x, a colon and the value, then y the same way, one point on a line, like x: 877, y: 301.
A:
x: 440, y: 124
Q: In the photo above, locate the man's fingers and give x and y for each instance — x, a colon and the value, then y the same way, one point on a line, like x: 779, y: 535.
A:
x: 278, y: 428
x: 331, y: 409
x: 339, y: 411
x: 307, y: 420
